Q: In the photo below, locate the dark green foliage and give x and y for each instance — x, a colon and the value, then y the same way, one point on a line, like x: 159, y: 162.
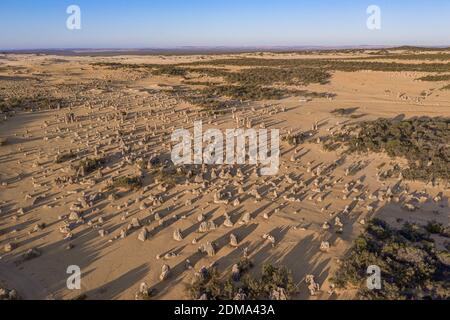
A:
x: 155, y: 69
x: 162, y: 69
x: 260, y: 93
x: 245, y: 264
x: 249, y: 92
x: 412, y: 49
x: 199, y: 83
x: 31, y: 103
x: 414, y: 232
x: 411, y: 266
x: 272, y: 278
x: 212, y: 285
x: 434, y: 227
x: 344, y: 111
x: 117, y: 66
x: 295, y: 139
x: 127, y: 183
x: 169, y: 175
x: 408, y: 56
x: 211, y: 104
x: 270, y: 76
x: 247, y: 84
x: 90, y: 165
x: 422, y: 141
x: 256, y: 288
x: 441, y: 77
x: 253, y: 76
x: 65, y: 157
x: 207, y: 103
x: 330, y: 146
x: 170, y: 71
x: 257, y: 78
x: 210, y: 72
x: 216, y: 98
x: 330, y: 65
x: 3, y: 105
x: 301, y: 70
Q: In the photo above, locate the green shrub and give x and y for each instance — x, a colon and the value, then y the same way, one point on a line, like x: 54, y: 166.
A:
x: 36, y: 102
x: 270, y: 76
x: 65, y: 157
x: 295, y: 139
x: 411, y: 266
x: 255, y: 92
x: 344, y: 111
x: 271, y: 279
x: 170, y: 71
x: 218, y: 287
x: 348, y: 65
x: 422, y: 141
x: 127, y: 183
x: 434, y: 227
x: 441, y: 77
x: 90, y: 165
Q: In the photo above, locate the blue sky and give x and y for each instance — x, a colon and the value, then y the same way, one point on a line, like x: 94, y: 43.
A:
x: 37, y: 24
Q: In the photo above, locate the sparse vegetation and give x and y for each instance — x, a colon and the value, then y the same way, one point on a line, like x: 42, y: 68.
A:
x: 101, y: 173
x: 441, y: 56
x: 344, y: 111
x: 90, y: 165
x: 210, y: 104
x: 270, y: 76
x: 31, y: 103
x: 168, y: 175
x: 60, y: 158
x: 218, y: 99
x: 210, y: 72
x: 170, y: 71
x: 295, y: 139
x: 199, y: 83
x: 434, y: 227
x: 412, y: 267
x: 252, y: 76
x: 251, y: 92
x: 441, y: 77
x: 247, y: 84
x: 330, y: 65
x: 422, y: 141
x: 271, y: 279
x: 256, y: 82
x: 127, y: 183
x: 217, y: 287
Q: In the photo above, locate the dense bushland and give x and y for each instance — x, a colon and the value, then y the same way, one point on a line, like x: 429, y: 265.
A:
x: 212, y: 285
x: 424, y: 142
x: 412, y: 266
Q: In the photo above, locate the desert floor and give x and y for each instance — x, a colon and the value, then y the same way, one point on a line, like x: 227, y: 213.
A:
x: 112, y: 265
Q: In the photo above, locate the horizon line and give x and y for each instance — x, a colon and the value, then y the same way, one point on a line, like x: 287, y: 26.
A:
x: 217, y: 48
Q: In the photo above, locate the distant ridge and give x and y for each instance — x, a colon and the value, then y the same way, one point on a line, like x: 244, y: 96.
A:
x: 189, y: 50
